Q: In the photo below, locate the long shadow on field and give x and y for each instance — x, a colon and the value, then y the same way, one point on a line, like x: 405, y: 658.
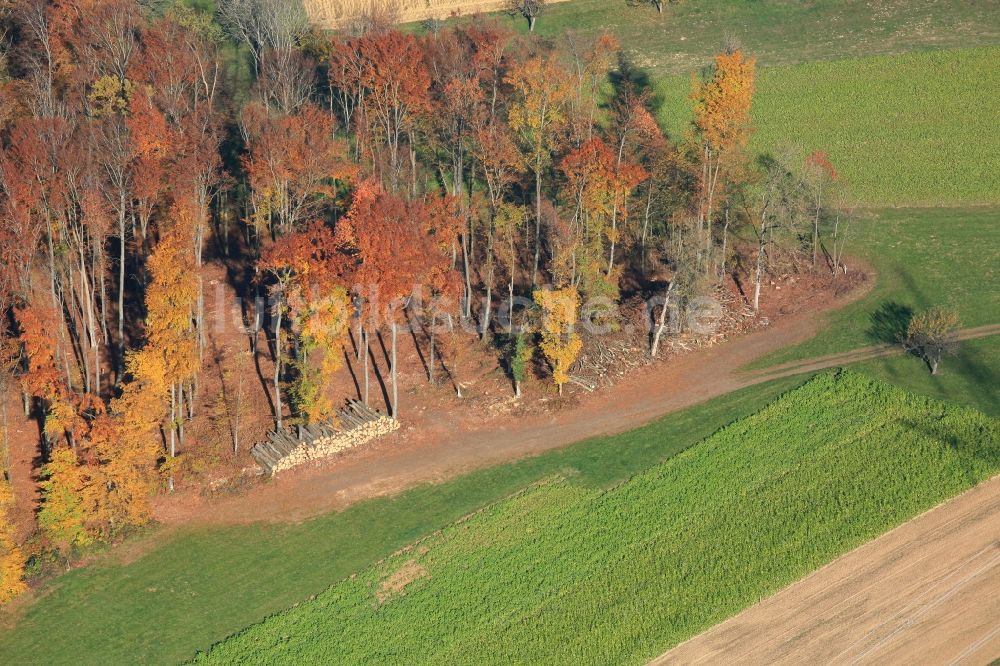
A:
x: 889, y: 322
x: 985, y: 378
x: 628, y: 78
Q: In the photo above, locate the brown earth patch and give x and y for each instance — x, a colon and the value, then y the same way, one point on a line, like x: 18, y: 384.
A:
x: 396, y: 583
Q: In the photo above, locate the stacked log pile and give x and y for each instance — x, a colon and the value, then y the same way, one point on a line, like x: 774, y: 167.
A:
x: 606, y: 358
x: 356, y: 425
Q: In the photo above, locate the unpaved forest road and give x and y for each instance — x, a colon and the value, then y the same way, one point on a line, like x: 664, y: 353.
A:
x: 439, y: 449
x: 927, y: 592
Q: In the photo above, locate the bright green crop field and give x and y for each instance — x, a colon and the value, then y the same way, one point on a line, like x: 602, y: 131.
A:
x: 183, y: 591
x: 565, y: 573
x: 917, y: 129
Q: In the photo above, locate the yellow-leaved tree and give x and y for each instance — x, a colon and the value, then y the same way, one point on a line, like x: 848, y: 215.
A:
x: 722, y: 127
x: 560, y: 344
x: 323, y: 323
x: 11, y: 555
x: 64, y: 513
x: 128, y: 442
x: 542, y: 89
x: 171, y: 352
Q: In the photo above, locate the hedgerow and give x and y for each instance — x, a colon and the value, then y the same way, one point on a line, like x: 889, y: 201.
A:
x: 565, y: 574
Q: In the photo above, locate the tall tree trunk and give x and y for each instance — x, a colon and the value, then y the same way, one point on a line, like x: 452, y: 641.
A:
x: 538, y: 217
x: 725, y: 244
x: 759, y: 272
x: 662, y: 323
x: 467, y: 305
x: 364, y: 333
x: 395, y: 388
x: 645, y: 227
x: 121, y: 283
x: 173, y: 420
x: 430, y: 365
x: 277, y: 369
x: 815, y: 236
x: 510, y: 301
x: 487, y: 305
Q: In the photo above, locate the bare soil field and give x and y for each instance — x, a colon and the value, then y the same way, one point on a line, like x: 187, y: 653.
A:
x: 927, y: 592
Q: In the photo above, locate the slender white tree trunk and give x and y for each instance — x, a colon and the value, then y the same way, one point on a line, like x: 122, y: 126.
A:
x: 662, y: 323
x: 395, y: 391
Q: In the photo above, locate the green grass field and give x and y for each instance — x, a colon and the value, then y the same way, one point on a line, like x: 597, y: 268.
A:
x: 972, y: 377
x: 563, y: 573
x: 903, y: 130
x: 779, y: 32
x: 194, y: 588
x: 924, y: 257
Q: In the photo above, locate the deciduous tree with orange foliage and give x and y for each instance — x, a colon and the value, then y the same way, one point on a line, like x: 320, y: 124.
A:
x: 312, y: 269
x: 395, y: 83
x: 293, y: 164
x: 599, y: 183
x: 43, y: 379
x: 400, y: 245
x: 722, y: 129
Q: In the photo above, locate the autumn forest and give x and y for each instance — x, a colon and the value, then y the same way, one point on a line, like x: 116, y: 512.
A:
x: 463, y: 187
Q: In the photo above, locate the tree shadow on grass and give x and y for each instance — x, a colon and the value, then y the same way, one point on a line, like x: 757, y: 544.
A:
x: 889, y: 322
x: 628, y: 75
x: 970, y: 363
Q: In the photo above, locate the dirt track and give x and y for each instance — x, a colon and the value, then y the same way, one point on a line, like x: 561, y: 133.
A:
x: 440, y: 446
x: 443, y: 449
x: 927, y: 592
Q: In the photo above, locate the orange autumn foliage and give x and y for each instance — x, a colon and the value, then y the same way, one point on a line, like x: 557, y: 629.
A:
x: 170, y: 301
x: 722, y: 125
x: 44, y: 379
x: 600, y: 185
x: 311, y: 265
x: 722, y: 104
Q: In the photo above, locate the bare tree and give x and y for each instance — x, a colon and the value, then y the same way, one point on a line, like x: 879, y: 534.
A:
x: 377, y: 16
x: 264, y: 25
x: 529, y: 9
x: 286, y: 79
x: 774, y: 202
x: 645, y: 3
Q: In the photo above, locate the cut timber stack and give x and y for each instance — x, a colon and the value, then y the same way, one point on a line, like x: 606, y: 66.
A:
x: 357, y: 424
